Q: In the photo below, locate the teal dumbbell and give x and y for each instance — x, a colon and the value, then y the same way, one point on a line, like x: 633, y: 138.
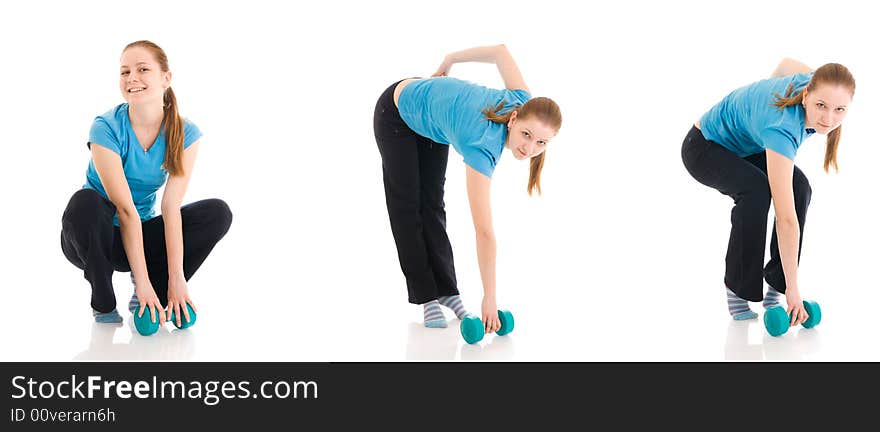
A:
x: 815, y: 314
x: 471, y: 329
x: 472, y: 326
x: 144, y: 323
x: 777, y: 321
x: 506, y: 322
x: 184, y: 324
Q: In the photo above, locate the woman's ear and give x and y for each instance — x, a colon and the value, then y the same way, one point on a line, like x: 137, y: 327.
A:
x: 512, y: 119
x: 167, y: 79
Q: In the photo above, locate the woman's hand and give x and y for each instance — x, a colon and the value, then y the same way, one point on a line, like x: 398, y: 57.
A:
x: 795, y: 307
x: 491, y: 323
x: 149, y: 301
x: 443, y: 70
x: 178, y: 297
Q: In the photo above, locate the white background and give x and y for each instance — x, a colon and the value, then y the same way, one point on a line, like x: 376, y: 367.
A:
x: 621, y: 259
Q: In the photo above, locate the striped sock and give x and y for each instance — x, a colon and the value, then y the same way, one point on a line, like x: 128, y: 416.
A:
x: 433, y: 315
x: 133, y: 304
x: 738, y: 308
x: 109, y: 317
x: 454, y: 303
x: 772, y: 298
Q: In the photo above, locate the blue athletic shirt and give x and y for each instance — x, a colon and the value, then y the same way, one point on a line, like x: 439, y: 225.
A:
x: 746, y: 122
x: 449, y: 111
x: 143, y: 169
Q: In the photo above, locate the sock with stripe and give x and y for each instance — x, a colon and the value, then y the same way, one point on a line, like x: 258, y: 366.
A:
x: 454, y: 303
x: 134, y: 303
x: 772, y: 298
x: 108, y: 317
x: 738, y: 308
x: 433, y: 315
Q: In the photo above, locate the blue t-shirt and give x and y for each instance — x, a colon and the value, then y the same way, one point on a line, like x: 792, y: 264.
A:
x: 449, y: 111
x: 143, y: 168
x: 746, y: 121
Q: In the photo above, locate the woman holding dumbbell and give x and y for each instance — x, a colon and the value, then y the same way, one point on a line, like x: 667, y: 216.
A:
x: 111, y: 224
x: 415, y: 122
x: 744, y: 147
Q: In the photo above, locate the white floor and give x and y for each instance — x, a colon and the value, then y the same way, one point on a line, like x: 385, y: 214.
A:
x: 386, y: 329
x: 686, y: 338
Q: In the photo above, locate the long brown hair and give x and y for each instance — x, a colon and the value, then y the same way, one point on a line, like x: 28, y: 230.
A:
x: 547, y: 112
x: 172, y: 123
x: 831, y: 73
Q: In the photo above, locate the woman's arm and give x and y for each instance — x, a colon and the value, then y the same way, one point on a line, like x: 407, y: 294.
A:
x: 481, y: 212
x: 780, y: 171
x: 178, y: 295
x: 109, y: 167
x: 790, y: 66
x: 497, y: 54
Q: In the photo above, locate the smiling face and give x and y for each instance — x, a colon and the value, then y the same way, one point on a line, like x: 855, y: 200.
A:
x: 141, y: 79
x: 826, y: 106
x: 527, y: 136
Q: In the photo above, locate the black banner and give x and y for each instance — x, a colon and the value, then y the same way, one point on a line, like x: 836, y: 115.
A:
x: 41, y: 396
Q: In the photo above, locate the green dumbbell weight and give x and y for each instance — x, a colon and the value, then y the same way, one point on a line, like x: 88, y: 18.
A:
x: 184, y: 323
x: 815, y: 314
x: 777, y: 321
x: 471, y: 329
x: 506, y: 322
x: 472, y: 326
x: 145, y: 324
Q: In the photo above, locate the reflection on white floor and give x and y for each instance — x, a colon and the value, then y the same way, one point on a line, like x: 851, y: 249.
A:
x: 747, y: 341
x: 118, y: 342
x: 695, y: 329
x: 447, y: 344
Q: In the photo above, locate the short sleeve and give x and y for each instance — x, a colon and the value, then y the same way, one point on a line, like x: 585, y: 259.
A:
x: 480, y: 161
x: 102, y: 134
x: 191, y: 133
x: 780, y: 141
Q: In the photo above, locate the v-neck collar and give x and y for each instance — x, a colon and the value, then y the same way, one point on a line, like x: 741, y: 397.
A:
x: 134, y: 135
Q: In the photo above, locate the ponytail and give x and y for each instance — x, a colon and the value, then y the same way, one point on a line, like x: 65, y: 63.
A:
x: 492, y: 115
x: 536, y: 164
x: 173, y: 126
x: 789, y: 99
x: 831, y: 141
